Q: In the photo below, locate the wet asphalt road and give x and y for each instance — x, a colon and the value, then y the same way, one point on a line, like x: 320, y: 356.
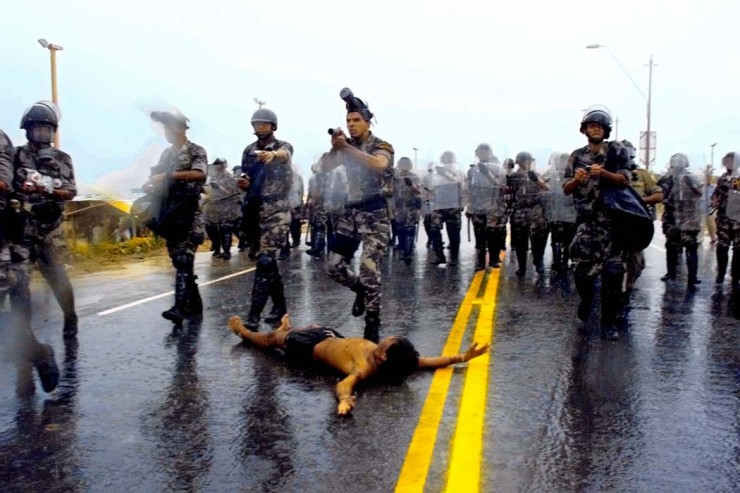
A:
x: 142, y: 408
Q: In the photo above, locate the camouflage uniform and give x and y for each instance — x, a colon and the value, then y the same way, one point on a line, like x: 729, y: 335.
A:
x: 644, y: 184
x: 593, y: 250
x: 365, y: 220
x: 728, y: 229
x: 42, y: 240
x: 221, y: 209
x: 407, y: 210
x: 450, y: 219
x: 489, y: 220
x: 528, y: 221
x: 185, y: 230
x: 6, y: 177
x: 296, y: 210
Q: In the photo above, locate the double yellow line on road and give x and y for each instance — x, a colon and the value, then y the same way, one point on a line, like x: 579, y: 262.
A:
x: 464, y: 470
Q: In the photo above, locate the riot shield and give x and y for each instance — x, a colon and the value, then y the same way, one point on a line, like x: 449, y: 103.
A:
x: 295, y: 197
x: 445, y: 193
x: 559, y: 207
x: 484, y: 193
x: 689, y: 210
x: 732, y: 211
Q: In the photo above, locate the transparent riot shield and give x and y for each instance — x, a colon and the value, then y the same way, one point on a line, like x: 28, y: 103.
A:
x: 559, y: 207
x: 295, y: 197
x: 335, y: 197
x: 445, y: 193
x: 689, y: 210
x: 733, y: 204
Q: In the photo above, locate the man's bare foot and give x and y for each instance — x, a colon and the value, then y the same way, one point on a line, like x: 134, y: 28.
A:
x: 285, y: 323
x: 237, y: 327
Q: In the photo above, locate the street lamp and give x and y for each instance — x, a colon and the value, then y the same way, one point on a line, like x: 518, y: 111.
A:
x: 53, y: 54
x: 711, y: 159
x: 647, y: 98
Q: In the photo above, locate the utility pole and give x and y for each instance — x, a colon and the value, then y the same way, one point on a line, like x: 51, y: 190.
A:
x: 649, y: 101
x: 54, y: 97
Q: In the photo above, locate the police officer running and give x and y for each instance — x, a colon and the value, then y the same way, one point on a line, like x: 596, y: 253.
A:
x: 368, y: 162
x: 592, y: 169
x: 177, y: 182
x: 267, y: 181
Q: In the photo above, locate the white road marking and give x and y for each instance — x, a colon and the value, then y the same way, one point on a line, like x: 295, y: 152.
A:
x: 657, y: 248
x: 169, y: 293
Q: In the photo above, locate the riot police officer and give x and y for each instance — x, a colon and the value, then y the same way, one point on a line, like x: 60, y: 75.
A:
x: 317, y: 215
x: 177, y: 182
x: 43, y: 180
x: 528, y: 223
x: 681, y: 218
x: 368, y: 165
x: 268, y: 179
x: 448, y: 194
x: 561, y: 213
x: 592, y: 169
x: 407, y: 200
x: 726, y: 199
x: 222, y: 208
x: 486, y: 207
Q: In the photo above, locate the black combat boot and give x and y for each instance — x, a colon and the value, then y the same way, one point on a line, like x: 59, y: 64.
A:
x: 260, y: 294
x: 735, y: 270
x: 585, y: 288
x: 193, y: 302
x: 493, y: 244
x: 454, y: 236
x: 692, y: 265
x: 215, y: 237
x: 723, y: 258
x: 611, y: 303
x: 358, y: 307
x: 671, y: 261
x: 176, y: 313
x: 372, y: 326
x: 46, y: 366
x: 438, y: 246
x: 538, y: 253
x: 277, y: 293
x: 318, y: 243
x: 557, y: 257
x: 521, y: 257
x: 226, y: 242
x: 408, y: 244
x: 295, y: 232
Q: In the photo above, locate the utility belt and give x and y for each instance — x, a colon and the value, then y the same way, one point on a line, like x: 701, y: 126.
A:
x: 372, y: 204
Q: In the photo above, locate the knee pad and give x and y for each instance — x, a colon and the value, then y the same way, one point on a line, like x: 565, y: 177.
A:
x: 183, y: 260
x: 343, y: 245
x: 266, y: 264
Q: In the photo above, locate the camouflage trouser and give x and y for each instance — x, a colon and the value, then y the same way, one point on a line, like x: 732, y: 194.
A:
x: 562, y: 233
x: 593, y: 250
x: 372, y: 229
x: 182, y: 252
x: 274, y: 224
x: 47, y: 252
x: 407, y: 217
x: 451, y: 217
x: 728, y: 233
x: 528, y: 223
x: 677, y: 238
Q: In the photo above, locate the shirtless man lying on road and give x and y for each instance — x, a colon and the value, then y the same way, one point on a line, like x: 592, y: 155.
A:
x: 393, y: 358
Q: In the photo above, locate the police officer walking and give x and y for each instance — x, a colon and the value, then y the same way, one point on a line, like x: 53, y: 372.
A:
x: 267, y: 183
x: 222, y: 209
x: 528, y: 222
x: 448, y: 195
x: 177, y: 182
x: 43, y: 180
x: 726, y: 199
x: 594, y: 168
x: 407, y: 200
x: 368, y: 163
x: 317, y: 215
x: 561, y: 213
x: 682, y: 217
x: 486, y: 207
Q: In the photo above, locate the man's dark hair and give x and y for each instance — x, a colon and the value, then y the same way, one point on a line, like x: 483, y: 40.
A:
x: 402, y: 359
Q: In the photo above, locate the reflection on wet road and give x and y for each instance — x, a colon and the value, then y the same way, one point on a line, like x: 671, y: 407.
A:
x: 143, y: 408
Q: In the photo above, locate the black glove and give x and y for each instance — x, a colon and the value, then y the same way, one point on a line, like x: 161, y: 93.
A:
x: 687, y: 180
x: 533, y: 176
x: 408, y: 181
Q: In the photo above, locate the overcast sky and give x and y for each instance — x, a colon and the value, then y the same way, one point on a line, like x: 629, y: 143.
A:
x: 438, y: 74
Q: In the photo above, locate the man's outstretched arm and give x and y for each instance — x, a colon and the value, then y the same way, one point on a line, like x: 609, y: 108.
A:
x: 344, y: 391
x: 432, y: 363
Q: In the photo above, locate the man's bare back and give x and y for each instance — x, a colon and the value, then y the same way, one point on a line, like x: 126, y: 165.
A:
x: 356, y: 358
